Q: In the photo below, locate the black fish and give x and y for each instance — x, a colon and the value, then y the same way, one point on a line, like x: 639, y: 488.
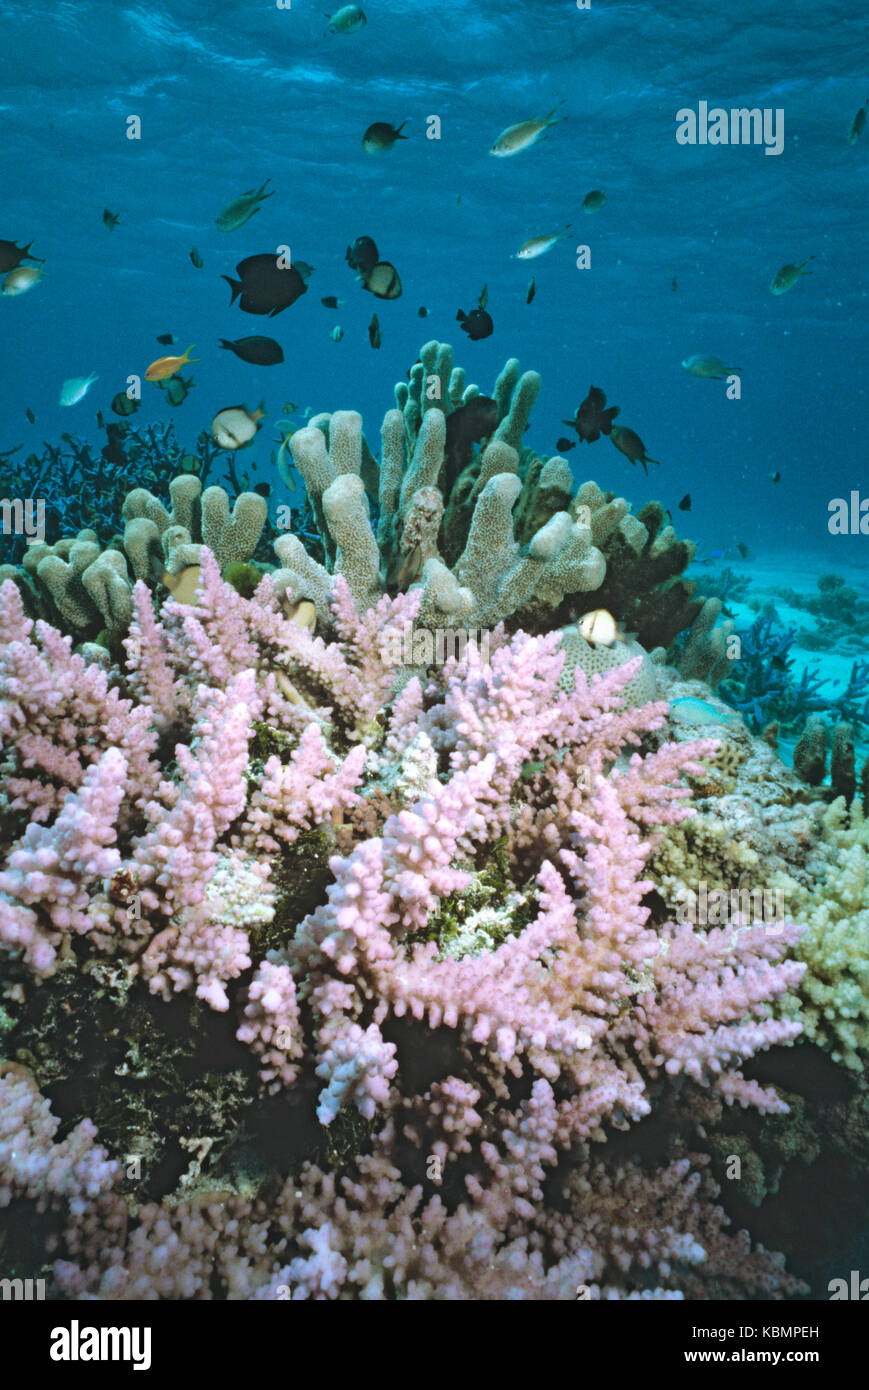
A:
x: 362, y: 255
x: 685, y: 504
x: 374, y: 332
x: 743, y: 549
x: 591, y: 420
x: 122, y: 404
x: 531, y: 291
x: 196, y: 259
x: 12, y: 255
x: 330, y: 302
x: 475, y: 420
x: 264, y: 286
x: 30, y: 415
x: 562, y: 445
x: 166, y: 339
x: 477, y: 324
x: 113, y: 453
x: 260, y: 352
x: 264, y: 489
x: 110, y: 220
x: 775, y: 477
x: 422, y: 312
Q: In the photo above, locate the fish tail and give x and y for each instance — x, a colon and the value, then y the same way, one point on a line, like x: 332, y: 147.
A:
x: 225, y: 343
x: 399, y: 129
x: 548, y: 118
x: 187, y: 358
x: 234, y: 285
x: 461, y: 316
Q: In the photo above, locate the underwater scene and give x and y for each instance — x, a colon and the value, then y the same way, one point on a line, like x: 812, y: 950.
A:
x: 434, y: 652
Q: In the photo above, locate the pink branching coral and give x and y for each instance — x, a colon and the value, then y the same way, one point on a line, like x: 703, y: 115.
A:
x: 580, y: 1000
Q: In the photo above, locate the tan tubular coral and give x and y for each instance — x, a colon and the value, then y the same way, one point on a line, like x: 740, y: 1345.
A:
x: 233, y: 537
x: 63, y: 580
x: 109, y: 588
x: 357, y: 557
x: 705, y: 655
x: 303, y: 577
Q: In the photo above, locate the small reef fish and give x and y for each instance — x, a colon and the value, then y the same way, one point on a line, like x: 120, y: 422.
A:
x: 111, y: 220
x: 592, y: 419
x: 685, y: 504
x: 123, y: 405
x: 177, y: 388
x: 11, y: 255
x: 477, y: 324
x: 242, y: 209
x: 383, y: 281
x: 674, y: 284
x: 631, y: 445
x: 472, y: 422
x: 260, y: 352
x: 563, y: 445
x: 235, y: 427
x: 330, y: 302
x: 167, y: 339
x: 374, y: 332
x: 346, y: 20
x: 599, y: 627
x: 788, y: 276
x: 382, y: 136
x: 688, y: 709
x: 525, y: 134
x: 337, y: 333
x: 594, y: 200
x: 710, y: 367
x: 22, y: 279
x: 196, y: 258
x: 75, y: 388
x: 538, y: 245
x: 30, y: 415
x: 531, y: 291
x: 168, y: 366
x: 775, y: 477
x: 858, y: 125
x: 264, y: 286
x: 422, y: 312
x: 362, y: 255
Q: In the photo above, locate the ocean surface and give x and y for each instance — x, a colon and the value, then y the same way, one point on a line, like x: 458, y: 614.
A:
x: 231, y: 94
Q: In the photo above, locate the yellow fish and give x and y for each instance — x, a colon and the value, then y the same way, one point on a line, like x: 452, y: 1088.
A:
x: 168, y: 366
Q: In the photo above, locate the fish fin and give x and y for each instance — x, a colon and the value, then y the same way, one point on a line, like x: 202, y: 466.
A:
x: 235, y: 285
x: 461, y: 316
x: 225, y: 343
x: 185, y: 358
x: 400, y: 128
x: 554, y: 109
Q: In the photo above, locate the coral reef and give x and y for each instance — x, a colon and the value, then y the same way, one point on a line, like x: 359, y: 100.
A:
x: 163, y: 851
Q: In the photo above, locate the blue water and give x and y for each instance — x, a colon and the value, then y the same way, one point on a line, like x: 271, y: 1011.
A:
x: 232, y: 93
